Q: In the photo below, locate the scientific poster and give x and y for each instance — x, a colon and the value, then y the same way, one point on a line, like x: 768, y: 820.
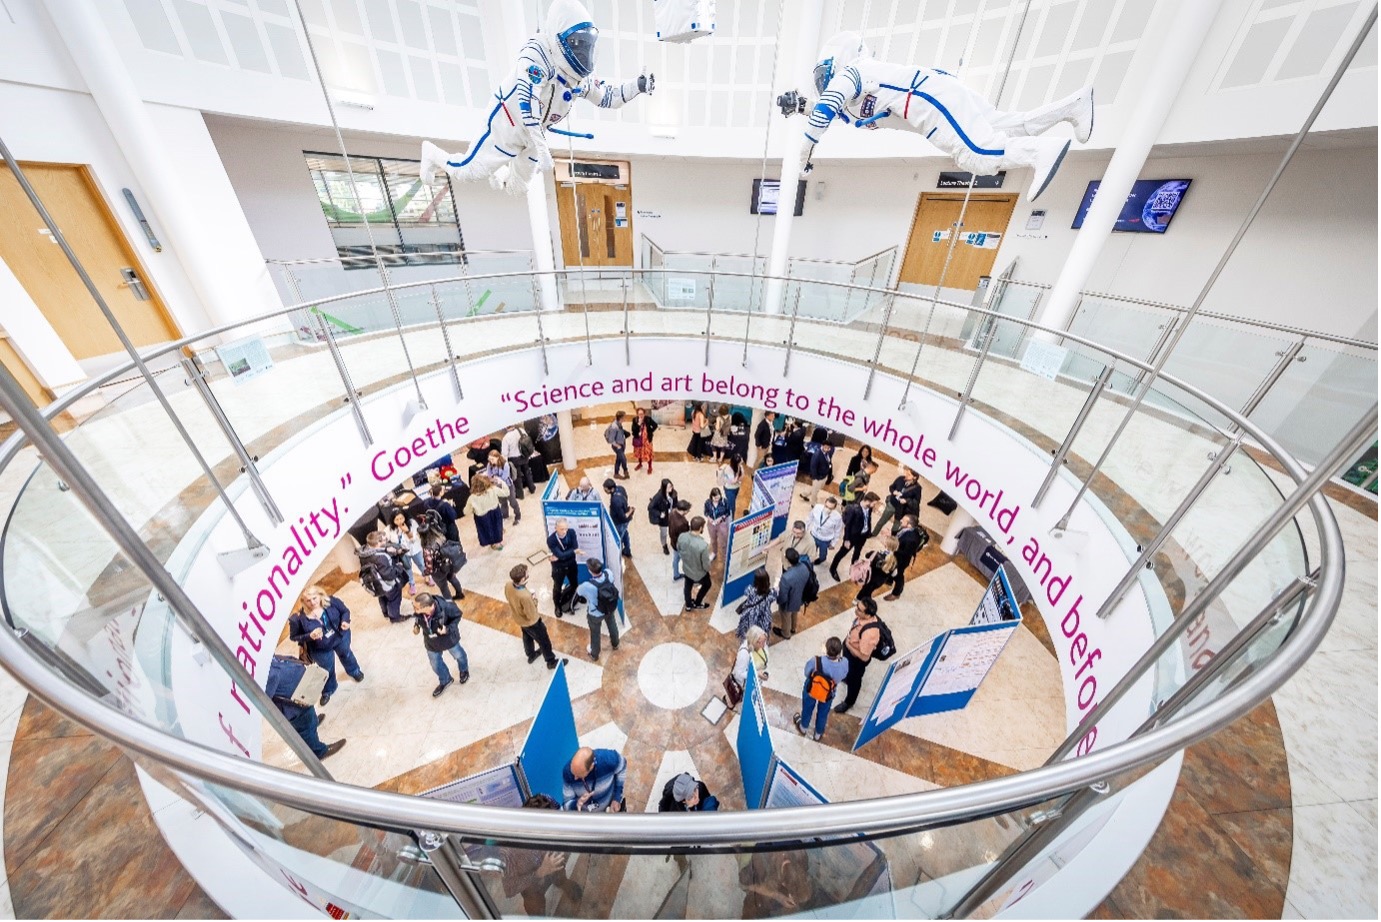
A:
x: 748, y: 541
x: 963, y: 662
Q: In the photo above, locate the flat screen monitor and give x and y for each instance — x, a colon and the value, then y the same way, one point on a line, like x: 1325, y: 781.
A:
x: 767, y: 192
x: 1148, y: 209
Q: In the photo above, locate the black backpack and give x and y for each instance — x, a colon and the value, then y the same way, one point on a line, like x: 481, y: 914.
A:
x: 811, y: 591
x: 376, y: 580
x: 887, y: 647
x: 607, y: 597
x: 430, y: 521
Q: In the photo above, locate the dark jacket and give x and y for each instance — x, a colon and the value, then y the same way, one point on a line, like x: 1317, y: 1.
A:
x: 670, y: 804
x: 717, y: 510
x: 821, y: 464
x: 660, y: 506
x: 908, y: 546
x: 284, y: 675
x: 856, y: 523
x: 796, y: 443
x: 619, y: 510
x: 448, y: 515
x: 301, y: 625
x: 445, y: 614
x: 762, y: 436
x: 677, y: 525
x: 645, y: 430
x: 563, y: 550
x: 855, y: 464
x: 792, y: 585
x: 910, y: 501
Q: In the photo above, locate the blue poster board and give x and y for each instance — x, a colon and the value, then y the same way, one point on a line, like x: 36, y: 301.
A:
x: 756, y: 758
x: 944, y: 674
x: 613, y: 557
x: 778, y: 482
x: 553, y: 487
x: 748, y: 546
x: 586, y: 520
x: 551, y: 740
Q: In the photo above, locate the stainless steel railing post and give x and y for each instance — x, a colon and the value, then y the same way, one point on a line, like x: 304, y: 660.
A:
x: 446, y: 341
x: 791, y: 331
x: 1067, y: 445
x: 877, y: 348
x: 537, y: 309
x: 1282, y: 365
x: 352, y: 396
x: 965, y: 397
x: 627, y: 348
x: 196, y: 376
x: 709, y: 310
x: 65, y: 464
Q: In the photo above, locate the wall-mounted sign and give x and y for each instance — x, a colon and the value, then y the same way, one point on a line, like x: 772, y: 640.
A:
x: 594, y: 170
x: 1036, y: 219
x: 952, y: 179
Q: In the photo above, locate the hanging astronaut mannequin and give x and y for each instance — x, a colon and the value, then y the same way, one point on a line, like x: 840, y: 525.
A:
x: 856, y: 88
x: 554, y: 68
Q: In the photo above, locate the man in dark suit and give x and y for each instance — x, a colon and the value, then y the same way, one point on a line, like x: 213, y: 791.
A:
x: 562, y: 549
x: 858, y: 522
x: 284, y: 675
x: 910, y: 539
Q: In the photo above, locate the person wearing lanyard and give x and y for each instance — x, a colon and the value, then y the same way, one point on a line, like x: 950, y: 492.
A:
x: 593, y: 781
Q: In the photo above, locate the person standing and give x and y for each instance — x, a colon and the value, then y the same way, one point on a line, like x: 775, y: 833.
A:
x: 821, y: 470
x: 599, y: 612
x: 382, y: 575
x: 438, y: 621
x: 717, y: 513
x: 621, y: 512
x: 617, y: 437
x: 730, y: 479
x: 644, y: 427
x: 404, y: 533
x: 512, y: 448
x: 862, y: 457
x: 791, y: 590
x: 593, y: 781
x: 882, y: 571
x: 677, y: 525
x: 823, y: 675
x: 910, y: 539
x: 563, y: 547
x: 485, y: 496
x: 858, y: 519
x: 756, y: 607
x: 659, y: 509
x: 903, y: 498
x: 697, y: 448
x: 584, y: 492
x: 799, y: 538
x: 685, y: 793
x: 500, y: 470
x: 323, y: 628
x: 826, y: 525
x: 859, y: 645
x: 523, y: 607
x: 285, y: 673
x: 762, y: 437
x: 436, y: 502
x: 719, y: 434
x: 444, y: 558
x: 695, y: 563
x: 753, y: 650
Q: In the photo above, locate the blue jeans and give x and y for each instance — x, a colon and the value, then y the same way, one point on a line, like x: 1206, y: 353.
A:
x: 305, y: 725
x: 675, y: 564
x: 623, y: 534
x: 326, y: 659
x: 620, y: 461
x: 731, y: 497
x: 421, y: 568
x: 822, y: 549
x: 443, y: 675
x: 808, y: 709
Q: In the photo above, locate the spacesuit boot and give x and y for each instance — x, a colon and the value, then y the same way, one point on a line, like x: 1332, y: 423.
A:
x: 433, y: 162
x: 1043, y: 155
x: 1077, y: 109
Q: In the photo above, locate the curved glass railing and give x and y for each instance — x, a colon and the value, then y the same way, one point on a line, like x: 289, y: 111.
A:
x: 92, y: 637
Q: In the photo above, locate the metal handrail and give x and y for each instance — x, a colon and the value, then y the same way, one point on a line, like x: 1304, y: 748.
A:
x: 320, y: 260
x: 651, y: 832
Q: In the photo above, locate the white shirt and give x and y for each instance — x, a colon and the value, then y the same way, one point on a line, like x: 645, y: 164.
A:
x: 509, y: 445
x: 824, y: 524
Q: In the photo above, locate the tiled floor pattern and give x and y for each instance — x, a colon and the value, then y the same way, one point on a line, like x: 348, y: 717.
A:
x: 595, y: 711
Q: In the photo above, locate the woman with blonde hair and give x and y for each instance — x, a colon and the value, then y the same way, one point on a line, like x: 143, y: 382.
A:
x: 486, y: 497
x: 754, y: 650
x: 322, y: 628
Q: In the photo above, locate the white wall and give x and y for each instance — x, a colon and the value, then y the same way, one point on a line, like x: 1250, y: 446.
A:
x: 1308, y: 261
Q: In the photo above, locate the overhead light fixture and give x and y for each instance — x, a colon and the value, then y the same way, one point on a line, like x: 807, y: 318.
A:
x: 355, y: 100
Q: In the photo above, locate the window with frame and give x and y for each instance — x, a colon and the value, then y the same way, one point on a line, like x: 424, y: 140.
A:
x: 412, y: 223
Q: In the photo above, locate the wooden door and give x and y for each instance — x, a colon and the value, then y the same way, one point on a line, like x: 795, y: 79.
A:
x: 596, y: 223
x: 937, y: 216
x: 27, y: 247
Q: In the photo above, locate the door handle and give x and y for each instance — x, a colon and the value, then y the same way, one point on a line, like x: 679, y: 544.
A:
x: 134, y: 284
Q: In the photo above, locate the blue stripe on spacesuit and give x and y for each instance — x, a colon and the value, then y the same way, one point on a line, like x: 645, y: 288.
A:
x: 950, y: 118
x: 504, y: 152
x: 488, y: 126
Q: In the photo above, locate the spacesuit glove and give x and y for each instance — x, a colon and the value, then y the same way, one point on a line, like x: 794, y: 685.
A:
x: 647, y: 83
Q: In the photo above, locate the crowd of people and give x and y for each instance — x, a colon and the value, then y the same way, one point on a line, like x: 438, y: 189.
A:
x: 421, y: 545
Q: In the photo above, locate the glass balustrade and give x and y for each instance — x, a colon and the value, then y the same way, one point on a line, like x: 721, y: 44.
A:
x: 82, y: 605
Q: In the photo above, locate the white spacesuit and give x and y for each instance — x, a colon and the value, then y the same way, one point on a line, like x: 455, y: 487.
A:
x: 857, y: 89
x: 553, y: 70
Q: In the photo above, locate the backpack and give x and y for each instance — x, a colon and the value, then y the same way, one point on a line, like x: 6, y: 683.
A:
x: 821, y: 686
x: 375, y: 580
x: 861, y: 570
x: 525, y: 443
x: 453, y: 552
x: 846, y: 489
x: 607, y: 597
x: 887, y: 647
x: 811, y: 591
x: 430, y: 521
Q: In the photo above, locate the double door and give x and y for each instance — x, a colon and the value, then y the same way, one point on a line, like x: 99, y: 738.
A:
x: 937, y: 219
x: 596, y: 223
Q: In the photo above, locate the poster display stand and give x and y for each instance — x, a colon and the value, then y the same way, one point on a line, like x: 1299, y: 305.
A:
x: 595, y: 533
x: 756, y: 758
x: 750, y: 537
x: 944, y: 673
x: 551, y: 740
x: 777, y: 482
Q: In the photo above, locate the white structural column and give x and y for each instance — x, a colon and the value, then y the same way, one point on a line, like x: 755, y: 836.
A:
x: 229, y: 289
x: 565, y: 433
x: 958, y: 521
x: 515, y: 33
x: 1178, y: 42
x: 810, y: 15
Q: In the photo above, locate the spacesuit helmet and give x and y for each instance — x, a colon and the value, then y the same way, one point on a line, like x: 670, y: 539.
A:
x: 842, y: 50
x: 571, y: 36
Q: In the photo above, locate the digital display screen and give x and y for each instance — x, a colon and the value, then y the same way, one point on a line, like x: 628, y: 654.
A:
x: 767, y: 193
x: 1148, y: 209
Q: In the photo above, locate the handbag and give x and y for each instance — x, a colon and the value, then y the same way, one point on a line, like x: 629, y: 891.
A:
x: 733, y: 692
x: 637, y: 441
x: 308, y: 691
